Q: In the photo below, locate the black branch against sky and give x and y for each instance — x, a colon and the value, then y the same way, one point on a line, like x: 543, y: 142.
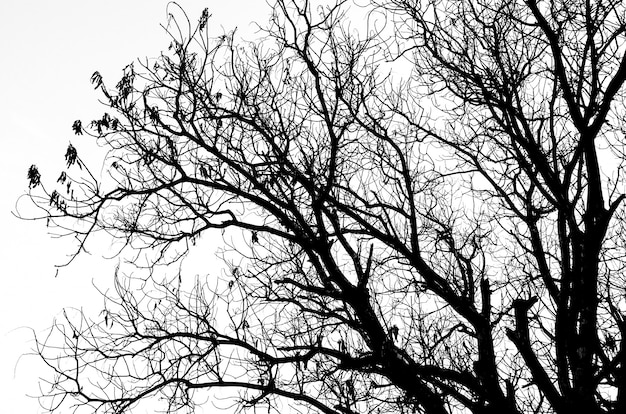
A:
x: 424, y: 201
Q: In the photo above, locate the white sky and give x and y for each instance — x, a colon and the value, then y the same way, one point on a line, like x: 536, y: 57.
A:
x: 48, y: 50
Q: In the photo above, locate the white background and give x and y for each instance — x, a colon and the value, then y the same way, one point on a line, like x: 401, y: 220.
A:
x: 48, y: 52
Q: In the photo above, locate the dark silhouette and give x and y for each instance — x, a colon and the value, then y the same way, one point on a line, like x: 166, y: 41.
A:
x: 424, y: 202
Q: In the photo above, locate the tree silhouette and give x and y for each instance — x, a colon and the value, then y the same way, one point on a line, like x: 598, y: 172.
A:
x: 425, y: 207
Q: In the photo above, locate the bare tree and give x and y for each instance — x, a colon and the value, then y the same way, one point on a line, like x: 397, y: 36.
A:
x: 425, y: 207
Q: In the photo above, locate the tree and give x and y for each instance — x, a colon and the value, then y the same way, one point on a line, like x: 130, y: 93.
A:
x: 425, y: 206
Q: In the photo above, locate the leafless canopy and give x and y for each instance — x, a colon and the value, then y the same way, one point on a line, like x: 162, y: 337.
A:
x: 424, y: 201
